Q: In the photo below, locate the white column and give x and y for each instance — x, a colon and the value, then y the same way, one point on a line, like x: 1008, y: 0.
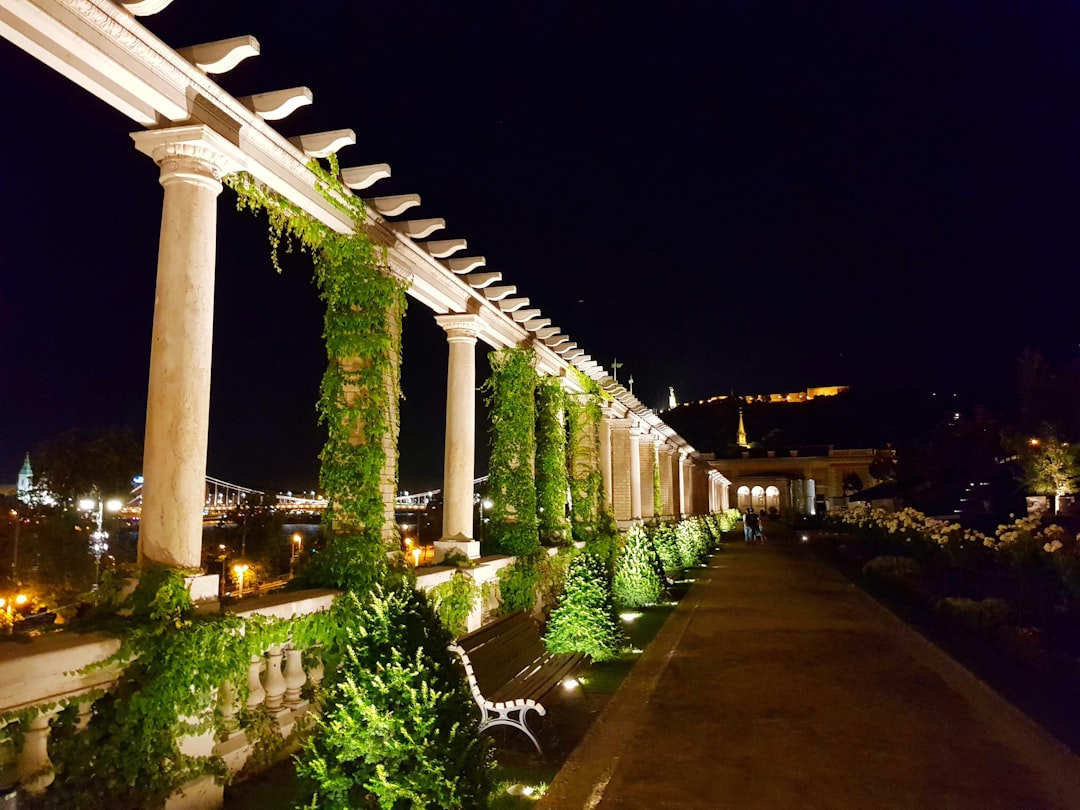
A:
x: 605, y: 458
x: 192, y: 160
x: 635, y: 474
x: 811, y: 497
x: 684, y: 499
x: 458, y: 464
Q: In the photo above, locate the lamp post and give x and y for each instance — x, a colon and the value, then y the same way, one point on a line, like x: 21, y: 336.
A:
x: 99, y: 539
x: 15, y: 547
x: 297, y: 547
x: 485, y: 505
x: 240, y: 570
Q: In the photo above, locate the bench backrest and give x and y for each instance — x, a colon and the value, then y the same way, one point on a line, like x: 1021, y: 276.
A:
x: 501, y: 649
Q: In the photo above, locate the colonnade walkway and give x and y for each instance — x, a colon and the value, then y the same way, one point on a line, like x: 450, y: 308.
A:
x: 777, y: 684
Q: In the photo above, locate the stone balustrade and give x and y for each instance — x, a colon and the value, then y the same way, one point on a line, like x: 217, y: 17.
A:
x: 41, y: 678
x: 46, y: 675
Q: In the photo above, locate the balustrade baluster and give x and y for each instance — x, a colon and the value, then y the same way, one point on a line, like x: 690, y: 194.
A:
x: 295, y: 677
x: 84, y: 709
x: 35, y: 769
x: 316, y: 673
x: 274, y: 682
x: 256, y: 693
x: 227, y: 705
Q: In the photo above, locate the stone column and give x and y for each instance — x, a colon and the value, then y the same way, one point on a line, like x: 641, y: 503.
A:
x: 667, y: 485
x: 635, y: 474
x: 605, y: 458
x: 458, y: 462
x: 621, y: 478
x: 811, y: 497
x: 192, y: 161
x: 684, y: 483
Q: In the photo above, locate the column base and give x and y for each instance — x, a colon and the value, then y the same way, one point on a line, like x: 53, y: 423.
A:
x: 458, y: 544
x: 204, y: 591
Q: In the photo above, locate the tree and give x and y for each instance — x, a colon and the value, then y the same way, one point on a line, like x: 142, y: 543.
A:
x: 852, y: 483
x: 882, y: 469
x: 1051, y: 467
x: 79, y: 461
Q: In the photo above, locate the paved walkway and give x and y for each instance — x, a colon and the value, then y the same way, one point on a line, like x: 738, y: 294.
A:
x: 777, y: 684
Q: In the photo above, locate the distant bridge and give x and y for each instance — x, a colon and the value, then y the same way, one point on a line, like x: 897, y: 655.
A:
x: 223, y: 497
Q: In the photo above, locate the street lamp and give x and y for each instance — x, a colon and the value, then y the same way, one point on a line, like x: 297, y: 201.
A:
x: 99, y: 540
x: 240, y: 570
x: 15, y: 547
x: 485, y: 505
x: 297, y: 547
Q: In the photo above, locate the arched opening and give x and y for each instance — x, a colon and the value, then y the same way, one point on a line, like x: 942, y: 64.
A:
x: 757, y: 498
x: 772, y: 499
x: 743, y: 498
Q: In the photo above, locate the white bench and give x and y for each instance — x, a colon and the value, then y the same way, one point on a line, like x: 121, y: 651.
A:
x: 510, y: 671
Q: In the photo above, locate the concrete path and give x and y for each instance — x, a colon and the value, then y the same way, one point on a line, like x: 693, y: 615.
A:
x: 777, y: 684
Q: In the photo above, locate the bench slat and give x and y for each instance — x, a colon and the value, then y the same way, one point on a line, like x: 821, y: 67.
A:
x: 512, y: 670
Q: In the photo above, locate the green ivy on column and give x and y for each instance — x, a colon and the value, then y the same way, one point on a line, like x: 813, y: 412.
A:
x: 657, y: 492
x: 359, y: 393
x: 511, y: 400
x: 551, y: 473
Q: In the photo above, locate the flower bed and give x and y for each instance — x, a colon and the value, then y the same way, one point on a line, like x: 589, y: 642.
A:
x: 1005, y: 605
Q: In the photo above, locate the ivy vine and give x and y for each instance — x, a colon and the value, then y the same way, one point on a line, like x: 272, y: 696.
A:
x: 360, y: 390
x: 552, y: 480
x: 510, y: 390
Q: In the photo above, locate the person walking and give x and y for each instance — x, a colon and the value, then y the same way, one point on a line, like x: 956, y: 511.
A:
x: 751, y: 525
x: 759, y: 531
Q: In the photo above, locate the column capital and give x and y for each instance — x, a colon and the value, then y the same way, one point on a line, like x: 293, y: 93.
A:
x: 461, y: 326
x: 621, y: 424
x: 193, y: 154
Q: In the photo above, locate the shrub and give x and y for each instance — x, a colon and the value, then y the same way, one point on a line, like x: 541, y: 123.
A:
x: 453, y: 601
x: 584, y: 619
x: 978, y: 616
x: 398, y: 728
x: 518, y: 584
x: 902, y: 570
x: 637, y: 581
x: 728, y: 520
x: 667, y: 547
x: 691, y: 543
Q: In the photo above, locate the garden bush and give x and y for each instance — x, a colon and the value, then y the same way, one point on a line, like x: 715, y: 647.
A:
x: 638, y: 579
x: 399, y: 728
x: 584, y: 620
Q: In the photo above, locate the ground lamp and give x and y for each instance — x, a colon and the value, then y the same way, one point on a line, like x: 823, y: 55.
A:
x: 99, y: 539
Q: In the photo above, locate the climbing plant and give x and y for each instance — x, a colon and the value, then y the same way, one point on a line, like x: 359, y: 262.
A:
x: 510, y: 396
x: 586, y: 480
x: 552, y: 479
x: 657, y: 492
x: 358, y: 395
x: 453, y: 601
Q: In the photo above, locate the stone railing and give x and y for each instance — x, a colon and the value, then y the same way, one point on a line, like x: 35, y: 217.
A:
x: 43, y: 677
x: 46, y: 675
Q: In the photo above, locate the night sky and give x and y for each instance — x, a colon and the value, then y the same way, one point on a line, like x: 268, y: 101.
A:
x: 726, y: 196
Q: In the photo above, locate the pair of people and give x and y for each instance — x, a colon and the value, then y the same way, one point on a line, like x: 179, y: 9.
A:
x: 754, y: 526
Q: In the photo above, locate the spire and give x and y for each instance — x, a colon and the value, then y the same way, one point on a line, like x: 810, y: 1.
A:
x: 26, y: 478
x: 740, y: 438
